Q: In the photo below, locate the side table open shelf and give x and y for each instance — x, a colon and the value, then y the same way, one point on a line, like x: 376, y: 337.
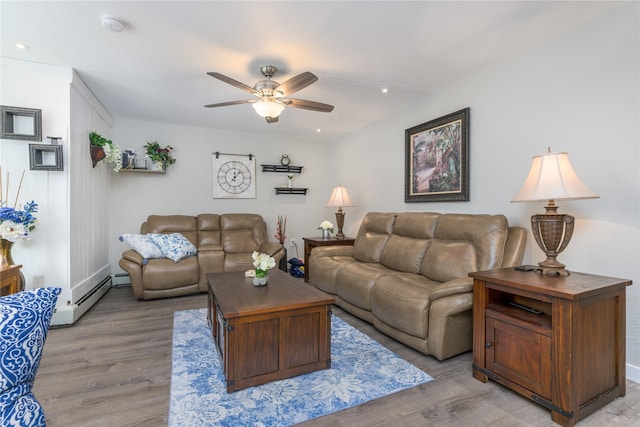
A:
x: 282, y: 169
x: 286, y: 190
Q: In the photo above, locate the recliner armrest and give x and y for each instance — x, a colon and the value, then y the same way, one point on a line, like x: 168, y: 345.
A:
x: 270, y: 248
x: 339, y: 250
x: 453, y: 287
x: 134, y: 257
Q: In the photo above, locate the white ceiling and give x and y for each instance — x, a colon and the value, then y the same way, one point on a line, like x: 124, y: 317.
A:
x: 156, y: 68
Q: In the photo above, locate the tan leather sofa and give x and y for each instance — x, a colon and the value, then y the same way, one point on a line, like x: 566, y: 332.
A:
x: 224, y: 242
x: 407, y: 274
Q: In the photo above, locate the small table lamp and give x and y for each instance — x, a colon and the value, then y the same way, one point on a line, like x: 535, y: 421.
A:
x: 339, y: 198
x: 552, y: 178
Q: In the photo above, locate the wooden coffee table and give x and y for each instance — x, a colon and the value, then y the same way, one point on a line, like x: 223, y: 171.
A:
x: 269, y: 332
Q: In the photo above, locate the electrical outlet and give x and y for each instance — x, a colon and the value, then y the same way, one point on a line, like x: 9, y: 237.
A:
x: 38, y: 281
x: 292, y: 242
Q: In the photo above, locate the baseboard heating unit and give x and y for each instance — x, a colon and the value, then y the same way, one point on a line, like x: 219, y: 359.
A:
x: 68, y: 314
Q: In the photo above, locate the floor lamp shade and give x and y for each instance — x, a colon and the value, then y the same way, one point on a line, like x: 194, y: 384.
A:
x: 551, y: 178
x: 339, y: 198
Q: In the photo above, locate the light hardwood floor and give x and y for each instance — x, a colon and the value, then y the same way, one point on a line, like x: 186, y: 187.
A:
x: 113, y: 368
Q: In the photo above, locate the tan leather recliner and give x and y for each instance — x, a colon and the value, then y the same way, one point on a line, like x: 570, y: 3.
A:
x: 224, y: 242
x: 407, y: 274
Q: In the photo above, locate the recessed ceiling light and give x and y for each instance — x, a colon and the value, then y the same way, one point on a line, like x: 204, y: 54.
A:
x: 22, y: 46
x: 385, y: 90
x: 112, y: 24
x: 318, y: 130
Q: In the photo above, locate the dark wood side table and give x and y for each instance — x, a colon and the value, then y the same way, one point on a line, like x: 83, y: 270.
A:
x: 9, y: 279
x: 312, y: 242
x: 560, y: 341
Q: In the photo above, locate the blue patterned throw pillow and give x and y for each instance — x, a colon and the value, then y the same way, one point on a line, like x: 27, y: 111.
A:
x: 174, y: 246
x: 24, y: 323
x: 143, y: 244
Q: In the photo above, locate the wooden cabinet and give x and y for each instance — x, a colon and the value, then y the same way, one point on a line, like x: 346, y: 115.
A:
x: 560, y: 341
x: 10, y: 280
x: 268, y: 333
x: 312, y: 242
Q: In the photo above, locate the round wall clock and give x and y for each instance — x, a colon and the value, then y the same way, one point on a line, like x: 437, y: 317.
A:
x: 285, y: 160
x: 234, y: 178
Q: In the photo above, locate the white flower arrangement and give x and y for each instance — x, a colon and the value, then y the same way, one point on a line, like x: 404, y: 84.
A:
x: 262, y: 263
x: 326, y: 225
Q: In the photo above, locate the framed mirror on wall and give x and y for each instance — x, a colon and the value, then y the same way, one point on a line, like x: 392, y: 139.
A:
x: 21, y: 123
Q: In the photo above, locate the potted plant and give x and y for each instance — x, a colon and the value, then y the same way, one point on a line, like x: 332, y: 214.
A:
x: 158, y: 154
x: 103, y: 148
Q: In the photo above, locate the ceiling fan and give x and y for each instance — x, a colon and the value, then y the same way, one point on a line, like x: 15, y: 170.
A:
x: 272, y: 97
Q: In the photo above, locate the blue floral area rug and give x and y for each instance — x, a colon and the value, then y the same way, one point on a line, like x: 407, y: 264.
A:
x: 361, y: 370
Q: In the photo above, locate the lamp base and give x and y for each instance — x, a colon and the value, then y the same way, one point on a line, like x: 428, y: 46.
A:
x: 340, y: 223
x: 552, y: 270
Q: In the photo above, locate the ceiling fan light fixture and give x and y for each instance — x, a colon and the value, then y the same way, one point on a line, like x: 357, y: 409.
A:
x: 268, y: 108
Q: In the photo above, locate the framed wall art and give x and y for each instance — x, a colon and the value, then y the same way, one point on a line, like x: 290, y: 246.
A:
x: 234, y: 176
x: 437, y: 160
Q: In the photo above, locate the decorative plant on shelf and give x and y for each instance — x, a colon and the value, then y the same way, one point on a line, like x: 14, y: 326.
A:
x: 103, y: 148
x: 158, y: 154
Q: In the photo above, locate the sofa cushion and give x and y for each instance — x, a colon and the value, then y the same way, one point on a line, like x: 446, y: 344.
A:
x: 174, y: 246
x: 143, y: 244
x: 355, y: 281
x: 166, y: 224
x: 24, y: 323
x: 404, y: 253
x: 487, y: 234
x: 208, y: 230
x: 372, y: 236
x: 447, y: 260
x: 402, y: 301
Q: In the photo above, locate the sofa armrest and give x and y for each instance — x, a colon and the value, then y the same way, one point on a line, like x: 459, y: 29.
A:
x: 271, y: 248
x: 453, y: 287
x: 134, y: 257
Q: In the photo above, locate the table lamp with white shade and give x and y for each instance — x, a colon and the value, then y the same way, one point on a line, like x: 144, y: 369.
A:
x: 339, y: 198
x: 552, y: 178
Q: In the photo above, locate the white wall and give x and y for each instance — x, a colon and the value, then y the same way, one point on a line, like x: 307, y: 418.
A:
x: 45, y: 253
x: 69, y: 246
x: 578, y: 93
x: 187, y: 187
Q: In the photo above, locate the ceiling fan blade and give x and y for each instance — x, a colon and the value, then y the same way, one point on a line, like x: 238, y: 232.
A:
x: 272, y: 119
x: 233, y: 82
x: 308, y: 105
x: 224, y: 104
x: 296, y: 83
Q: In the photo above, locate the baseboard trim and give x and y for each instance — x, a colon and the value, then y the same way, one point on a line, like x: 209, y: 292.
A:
x: 633, y: 373
x: 68, y: 314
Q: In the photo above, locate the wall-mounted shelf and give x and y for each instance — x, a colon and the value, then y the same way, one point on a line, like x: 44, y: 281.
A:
x: 144, y: 170
x: 282, y: 169
x: 280, y: 190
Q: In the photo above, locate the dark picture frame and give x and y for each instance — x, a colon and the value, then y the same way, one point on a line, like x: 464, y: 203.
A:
x: 437, y: 160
